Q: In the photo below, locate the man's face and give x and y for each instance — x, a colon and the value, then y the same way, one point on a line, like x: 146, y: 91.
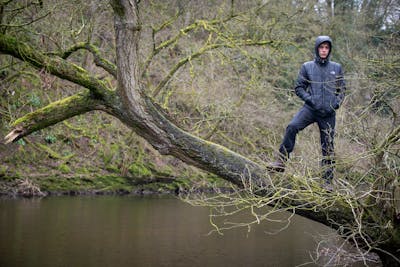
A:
x: 323, y: 50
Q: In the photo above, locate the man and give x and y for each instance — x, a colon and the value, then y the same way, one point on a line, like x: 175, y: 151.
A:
x: 321, y: 86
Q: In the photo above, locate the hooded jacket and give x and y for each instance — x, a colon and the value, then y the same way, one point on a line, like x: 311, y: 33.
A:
x: 320, y: 83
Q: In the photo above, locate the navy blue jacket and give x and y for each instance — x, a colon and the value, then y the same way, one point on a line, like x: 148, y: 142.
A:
x: 320, y: 83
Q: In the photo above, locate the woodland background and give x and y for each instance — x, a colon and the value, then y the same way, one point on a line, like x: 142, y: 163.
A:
x: 240, y: 96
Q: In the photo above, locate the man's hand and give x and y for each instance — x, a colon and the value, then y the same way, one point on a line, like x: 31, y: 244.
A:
x: 308, y: 101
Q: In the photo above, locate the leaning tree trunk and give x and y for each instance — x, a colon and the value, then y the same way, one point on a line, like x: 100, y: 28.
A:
x: 139, y: 112
x: 133, y: 107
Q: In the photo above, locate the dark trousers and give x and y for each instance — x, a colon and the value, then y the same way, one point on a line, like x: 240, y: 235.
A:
x: 326, y: 125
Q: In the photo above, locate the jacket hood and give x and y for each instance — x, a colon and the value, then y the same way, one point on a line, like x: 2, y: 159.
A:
x: 321, y: 39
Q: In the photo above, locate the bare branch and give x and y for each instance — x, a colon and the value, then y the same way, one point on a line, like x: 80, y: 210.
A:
x: 392, y: 138
x: 180, y: 34
x: 98, y: 59
x: 27, y: 23
x: 206, y: 48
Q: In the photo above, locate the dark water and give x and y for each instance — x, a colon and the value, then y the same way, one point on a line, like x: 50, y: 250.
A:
x: 134, y: 231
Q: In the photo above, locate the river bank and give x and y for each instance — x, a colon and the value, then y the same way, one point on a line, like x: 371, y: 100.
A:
x: 103, y: 185
x: 28, y: 188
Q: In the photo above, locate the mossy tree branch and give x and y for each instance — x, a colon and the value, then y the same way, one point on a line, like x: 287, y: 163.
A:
x: 99, y: 96
x: 56, y: 66
x: 53, y: 113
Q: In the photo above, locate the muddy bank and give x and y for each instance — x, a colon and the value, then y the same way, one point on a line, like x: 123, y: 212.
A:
x: 78, y: 186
